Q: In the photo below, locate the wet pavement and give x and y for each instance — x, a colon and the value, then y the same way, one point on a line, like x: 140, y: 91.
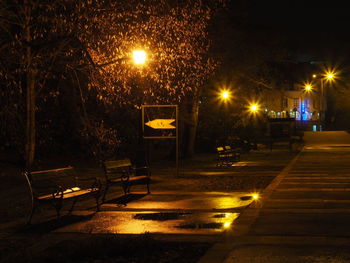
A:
x: 166, y: 213
x: 304, y: 213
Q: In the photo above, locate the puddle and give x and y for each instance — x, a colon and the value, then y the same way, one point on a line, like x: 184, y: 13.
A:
x: 246, y: 198
x: 124, y: 222
x: 159, y: 216
x: 219, y: 216
x: 212, y: 225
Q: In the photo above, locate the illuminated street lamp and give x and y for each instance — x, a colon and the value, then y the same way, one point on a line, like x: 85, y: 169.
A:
x: 225, y: 95
x: 308, y: 87
x: 139, y: 57
x: 328, y: 76
x: 254, y: 108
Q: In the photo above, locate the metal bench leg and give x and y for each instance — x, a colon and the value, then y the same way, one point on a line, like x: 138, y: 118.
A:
x: 148, y: 190
x: 72, y: 207
x: 97, y: 197
x: 58, y: 206
x: 32, y: 210
x: 126, y: 188
x: 105, y: 193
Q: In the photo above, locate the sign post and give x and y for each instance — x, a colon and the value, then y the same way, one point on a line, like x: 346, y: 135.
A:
x: 161, y: 122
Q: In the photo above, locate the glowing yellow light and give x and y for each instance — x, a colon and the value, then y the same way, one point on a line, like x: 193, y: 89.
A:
x: 314, y: 75
x: 139, y: 57
x: 254, y: 107
x: 330, y: 76
x: 227, y: 224
x: 308, y: 87
x: 225, y: 95
x: 255, y: 196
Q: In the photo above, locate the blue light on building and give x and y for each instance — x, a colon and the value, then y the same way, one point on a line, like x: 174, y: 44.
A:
x: 302, y: 110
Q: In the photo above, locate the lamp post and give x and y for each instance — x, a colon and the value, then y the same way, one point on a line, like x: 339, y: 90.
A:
x: 328, y: 76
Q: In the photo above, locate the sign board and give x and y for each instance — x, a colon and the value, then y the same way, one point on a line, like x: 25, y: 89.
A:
x: 159, y: 121
x: 161, y: 124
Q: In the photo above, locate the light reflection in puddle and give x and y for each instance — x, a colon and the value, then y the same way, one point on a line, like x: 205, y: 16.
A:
x: 126, y: 223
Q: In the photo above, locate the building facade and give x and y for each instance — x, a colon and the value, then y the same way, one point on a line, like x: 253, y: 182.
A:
x: 298, y: 104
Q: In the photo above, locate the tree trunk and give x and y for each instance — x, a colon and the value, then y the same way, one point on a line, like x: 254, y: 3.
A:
x: 30, y: 121
x: 30, y: 85
x: 190, y: 121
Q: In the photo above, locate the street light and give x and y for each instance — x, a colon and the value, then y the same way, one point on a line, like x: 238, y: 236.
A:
x: 225, y: 95
x: 254, y: 108
x: 139, y: 57
x: 327, y: 76
x: 308, y: 87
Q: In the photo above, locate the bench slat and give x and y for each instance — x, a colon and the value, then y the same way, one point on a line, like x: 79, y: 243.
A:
x: 71, y: 194
x: 117, y: 164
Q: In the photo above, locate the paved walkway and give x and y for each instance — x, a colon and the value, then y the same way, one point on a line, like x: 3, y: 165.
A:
x: 303, y: 216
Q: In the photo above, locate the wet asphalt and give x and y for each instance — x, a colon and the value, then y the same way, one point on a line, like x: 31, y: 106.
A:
x: 304, y: 213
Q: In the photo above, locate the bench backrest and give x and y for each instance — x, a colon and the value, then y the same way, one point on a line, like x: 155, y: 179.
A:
x: 46, y: 181
x: 220, y: 149
x: 228, y: 148
x: 117, y: 168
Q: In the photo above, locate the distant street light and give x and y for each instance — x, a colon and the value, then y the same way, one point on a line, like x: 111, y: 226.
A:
x: 308, y: 87
x: 225, y: 95
x: 254, y: 108
x: 328, y: 76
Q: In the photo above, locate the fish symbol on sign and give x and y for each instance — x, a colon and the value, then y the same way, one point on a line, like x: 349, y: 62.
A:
x: 161, y: 124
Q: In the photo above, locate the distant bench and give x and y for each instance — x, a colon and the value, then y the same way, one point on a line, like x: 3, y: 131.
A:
x: 56, y: 185
x: 122, y: 173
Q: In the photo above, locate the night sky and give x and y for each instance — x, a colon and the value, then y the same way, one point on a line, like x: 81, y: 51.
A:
x: 310, y: 26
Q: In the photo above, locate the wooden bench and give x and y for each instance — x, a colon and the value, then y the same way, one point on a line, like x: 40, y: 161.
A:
x: 121, y: 172
x: 55, y: 185
x: 226, y: 155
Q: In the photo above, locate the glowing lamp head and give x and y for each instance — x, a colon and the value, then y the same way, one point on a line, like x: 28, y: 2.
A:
x: 308, y: 87
x: 254, y: 108
x: 225, y: 95
x: 330, y: 76
x: 139, y: 57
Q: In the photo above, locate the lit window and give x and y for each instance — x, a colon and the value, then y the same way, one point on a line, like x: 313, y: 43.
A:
x: 284, y: 103
x: 296, y: 103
